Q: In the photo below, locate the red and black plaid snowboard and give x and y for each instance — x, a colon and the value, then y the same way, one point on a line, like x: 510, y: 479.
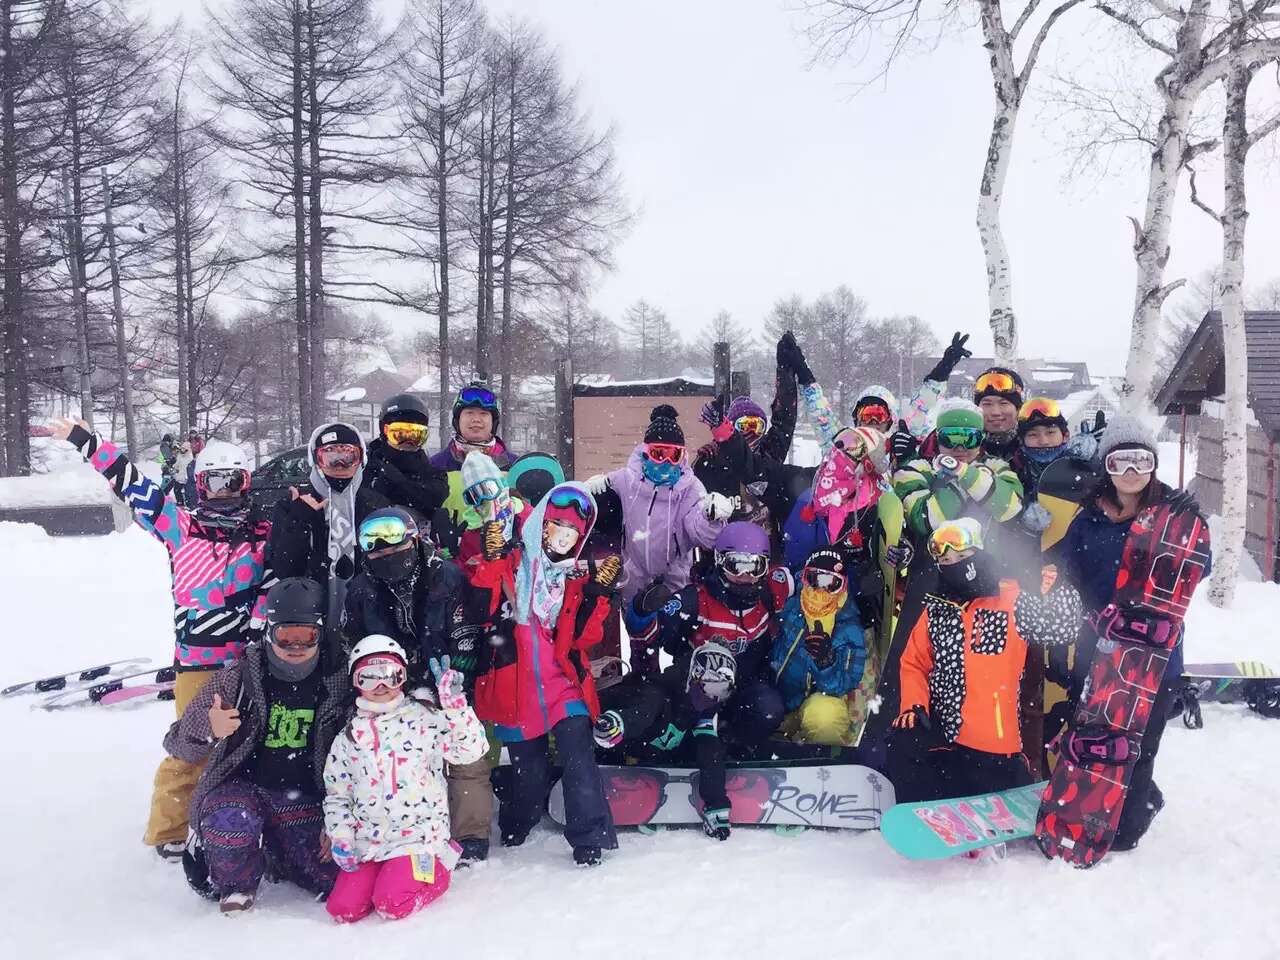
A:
x: 1164, y: 558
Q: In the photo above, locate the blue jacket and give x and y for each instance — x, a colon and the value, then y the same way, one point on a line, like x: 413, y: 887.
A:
x: 798, y: 675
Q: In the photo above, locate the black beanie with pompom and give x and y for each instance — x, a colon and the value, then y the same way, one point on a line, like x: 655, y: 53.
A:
x: 663, y: 427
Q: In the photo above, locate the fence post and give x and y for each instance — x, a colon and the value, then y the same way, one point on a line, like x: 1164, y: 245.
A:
x: 720, y: 354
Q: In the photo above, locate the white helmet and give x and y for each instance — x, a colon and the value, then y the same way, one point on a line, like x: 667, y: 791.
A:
x: 375, y: 643
x: 220, y: 455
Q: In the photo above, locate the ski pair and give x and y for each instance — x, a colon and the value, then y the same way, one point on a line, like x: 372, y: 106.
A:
x: 157, y: 684
x: 75, y: 679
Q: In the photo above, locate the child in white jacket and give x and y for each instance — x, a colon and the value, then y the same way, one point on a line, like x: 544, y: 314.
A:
x: 386, y: 808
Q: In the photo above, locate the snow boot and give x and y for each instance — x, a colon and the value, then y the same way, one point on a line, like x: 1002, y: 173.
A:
x: 474, y: 850
x: 234, y: 903
x: 588, y: 856
x: 172, y: 851
x: 514, y: 839
x: 715, y: 823
x: 1134, y: 824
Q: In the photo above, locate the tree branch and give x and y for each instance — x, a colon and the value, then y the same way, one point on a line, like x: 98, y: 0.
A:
x: 1024, y: 76
x: 1137, y: 28
x: 1027, y: 11
x: 1195, y: 197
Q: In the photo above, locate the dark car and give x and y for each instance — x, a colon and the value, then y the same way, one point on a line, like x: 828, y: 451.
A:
x: 272, y: 480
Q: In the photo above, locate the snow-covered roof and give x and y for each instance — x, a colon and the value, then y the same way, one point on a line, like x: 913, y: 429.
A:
x: 348, y: 395
x: 1052, y: 376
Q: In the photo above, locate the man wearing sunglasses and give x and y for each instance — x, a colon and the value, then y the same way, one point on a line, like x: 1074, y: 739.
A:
x: 406, y: 592
x: 398, y: 466
x: 476, y: 419
x: 262, y: 729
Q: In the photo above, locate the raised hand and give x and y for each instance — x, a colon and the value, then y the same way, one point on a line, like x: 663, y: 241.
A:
x: 449, y: 684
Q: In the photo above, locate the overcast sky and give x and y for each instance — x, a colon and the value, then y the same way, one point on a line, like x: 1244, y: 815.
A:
x: 756, y: 177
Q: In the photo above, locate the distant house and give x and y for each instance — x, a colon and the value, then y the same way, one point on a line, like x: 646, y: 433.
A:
x: 1196, y: 387
x: 1044, y: 378
x: 360, y: 401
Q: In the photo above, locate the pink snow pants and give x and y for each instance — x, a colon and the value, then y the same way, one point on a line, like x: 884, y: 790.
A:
x: 387, y: 886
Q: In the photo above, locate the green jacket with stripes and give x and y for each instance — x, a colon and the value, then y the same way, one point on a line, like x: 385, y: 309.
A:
x: 987, y: 489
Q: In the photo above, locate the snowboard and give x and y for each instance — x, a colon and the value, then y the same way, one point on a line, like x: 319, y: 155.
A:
x: 75, y: 679
x: 157, y: 684
x: 1063, y: 486
x: 1165, y: 555
x: 1247, y: 681
x: 936, y: 829
x: 841, y: 797
x: 892, y: 525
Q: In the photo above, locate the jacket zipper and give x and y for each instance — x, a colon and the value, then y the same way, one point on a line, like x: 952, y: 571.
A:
x: 995, y: 697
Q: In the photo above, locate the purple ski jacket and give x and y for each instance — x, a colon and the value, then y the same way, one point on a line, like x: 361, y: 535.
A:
x: 662, y: 526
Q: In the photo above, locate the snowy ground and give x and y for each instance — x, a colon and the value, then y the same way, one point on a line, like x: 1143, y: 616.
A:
x: 81, y: 884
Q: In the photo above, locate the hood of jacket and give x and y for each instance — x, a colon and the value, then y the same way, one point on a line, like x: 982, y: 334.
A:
x: 884, y: 393
x: 540, y: 580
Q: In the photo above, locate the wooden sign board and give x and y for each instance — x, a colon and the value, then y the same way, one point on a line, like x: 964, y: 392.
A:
x: 607, y: 428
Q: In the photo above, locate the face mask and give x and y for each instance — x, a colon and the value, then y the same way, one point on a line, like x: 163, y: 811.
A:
x: 393, y: 567
x: 222, y: 513
x: 975, y: 577
x: 660, y: 474
x: 820, y: 608
x: 1043, y: 455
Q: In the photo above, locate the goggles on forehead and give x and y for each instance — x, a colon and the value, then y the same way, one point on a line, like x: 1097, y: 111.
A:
x: 485, y: 491
x: 961, y: 438
x: 828, y: 581
x: 1138, y: 459
x: 295, y: 636
x: 477, y: 397
x: 378, y: 672
x: 406, y: 435
x: 1042, y: 407
x: 951, y: 537
x: 740, y: 565
x: 997, y: 381
x: 872, y: 414
x: 664, y: 452
x: 573, y: 499
x: 750, y: 424
x: 338, y: 456
x: 230, y: 479
x: 379, y: 532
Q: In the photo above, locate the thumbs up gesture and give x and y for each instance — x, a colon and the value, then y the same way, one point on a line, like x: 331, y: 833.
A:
x: 223, y: 721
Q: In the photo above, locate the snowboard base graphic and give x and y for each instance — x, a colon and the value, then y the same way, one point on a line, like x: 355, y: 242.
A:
x: 936, y: 829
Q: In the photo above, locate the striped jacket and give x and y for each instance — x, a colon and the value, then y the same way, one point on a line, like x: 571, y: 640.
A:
x: 220, y: 577
x: 987, y: 489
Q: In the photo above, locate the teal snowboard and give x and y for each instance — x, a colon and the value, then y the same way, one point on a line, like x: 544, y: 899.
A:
x: 937, y: 829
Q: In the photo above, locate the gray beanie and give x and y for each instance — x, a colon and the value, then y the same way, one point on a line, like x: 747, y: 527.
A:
x: 1126, y: 430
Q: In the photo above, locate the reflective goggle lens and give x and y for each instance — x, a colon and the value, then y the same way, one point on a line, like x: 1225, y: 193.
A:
x: 948, y: 538
x: 482, y: 492
x: 873, y: 415
x: 384, y: 672
x: 1138, y: 459
x: 664, y: 452
x: 232, y: 479
x: 828, y: 581
x: 739, y: 564
x: 999, y: 382
x: 575, y: 499
x: 295, y: 636
x: 379, y: 532
x: 405, y: 435
x: 478, y: 397
x: 962, y: 438
x: 750, y: 425
x: 338, y: 456
x: 1040, y: 407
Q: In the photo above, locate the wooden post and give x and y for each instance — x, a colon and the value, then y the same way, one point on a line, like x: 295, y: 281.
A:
x: 1182, y: 451
x: 1271, y: 511
x: 720, y: 354
x: 740, y: 383
x: 564, y: 414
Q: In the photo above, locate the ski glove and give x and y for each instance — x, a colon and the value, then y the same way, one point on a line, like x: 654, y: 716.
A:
x: 956, y: 352
x: 946, y: 468
x: 900, y: 554
x: 902, y: 444
x: 818, y: 643
x: 493, y: 540
x: 792, y: 357
x: 1183, y: 501
x: 598, y: 484
x: 712, y: 412
x: 718, y: 507
x: 345, y: 858
x: 1036, y: 518
x: 448, y: 684
x: 656, y: 596
x: 1083, y: 446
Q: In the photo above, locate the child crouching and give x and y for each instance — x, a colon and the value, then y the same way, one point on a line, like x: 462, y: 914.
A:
x: 386, y: 807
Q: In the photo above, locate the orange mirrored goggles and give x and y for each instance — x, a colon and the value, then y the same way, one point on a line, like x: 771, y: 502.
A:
x: 1041, y: 407
x: 750, y: 425
x: 664, y: 452
x: 950, y: 537
x: 406, y: 435
x: 997, y: 381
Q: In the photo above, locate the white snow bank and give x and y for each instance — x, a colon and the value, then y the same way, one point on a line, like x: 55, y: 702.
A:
x: 72, y: 485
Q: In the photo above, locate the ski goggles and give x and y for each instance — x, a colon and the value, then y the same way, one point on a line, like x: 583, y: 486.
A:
x: 1040, y: 408
x: 378, y: 532
x: 1138, y: 459
x: 339, y: 456
x: 637, y: 795
x: 406, y: 435
x: 952, y: 536
x: 750, y: 425
x: 827, y: 581
x: 664, y: 452
x: 873, y: 415
x: 295, y: 636
x: 477, y: 397
x: 374, y: 672
x: 576, y: 500
x: 960, y: 438
x: 223, y: 480
x: 485, y: 491
x: 997, y: 382
x: 739, y: 565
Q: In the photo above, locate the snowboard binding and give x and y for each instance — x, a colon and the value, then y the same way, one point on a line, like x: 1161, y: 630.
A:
x: 1098, y: 745
x: 1135, y: 626
x: 1192, y: 718
x: 715, y: 823
x: 1263, y: 696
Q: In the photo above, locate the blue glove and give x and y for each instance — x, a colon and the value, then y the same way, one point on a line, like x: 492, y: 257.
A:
x: 1083, y: 446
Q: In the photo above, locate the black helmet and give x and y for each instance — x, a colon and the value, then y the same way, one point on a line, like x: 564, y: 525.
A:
x: 167, y: 438
x: 476, y: 395
x: 404, y: 406
x: 295, y: 600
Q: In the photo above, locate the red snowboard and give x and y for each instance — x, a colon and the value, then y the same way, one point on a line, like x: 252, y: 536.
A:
x: 1165, y: 556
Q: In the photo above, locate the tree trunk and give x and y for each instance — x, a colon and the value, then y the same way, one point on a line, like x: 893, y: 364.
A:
x: 482, y: 277
x: 72, y: 208
x: 490, y: 218
x: 193, y: 341
x: 305, y: 409
x: 17, y: 452
x: 1004, y: 328
x: 179, y: 275
x: 117, y: 316
x: 316, y: 303
x: 508, y: 240
x: 442, y: 228
x: 1235, y: 424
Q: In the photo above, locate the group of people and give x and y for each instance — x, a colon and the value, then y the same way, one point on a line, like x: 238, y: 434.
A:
x: 178, y: 466
x: 353, y: 661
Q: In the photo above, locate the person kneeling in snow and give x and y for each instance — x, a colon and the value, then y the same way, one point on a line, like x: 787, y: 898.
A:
x: 826, y: 671
x: 386, y: 809
x: 264, y: 725
x: 960, y: 672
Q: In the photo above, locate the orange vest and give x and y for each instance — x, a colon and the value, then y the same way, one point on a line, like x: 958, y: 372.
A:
x: 964, y: 663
